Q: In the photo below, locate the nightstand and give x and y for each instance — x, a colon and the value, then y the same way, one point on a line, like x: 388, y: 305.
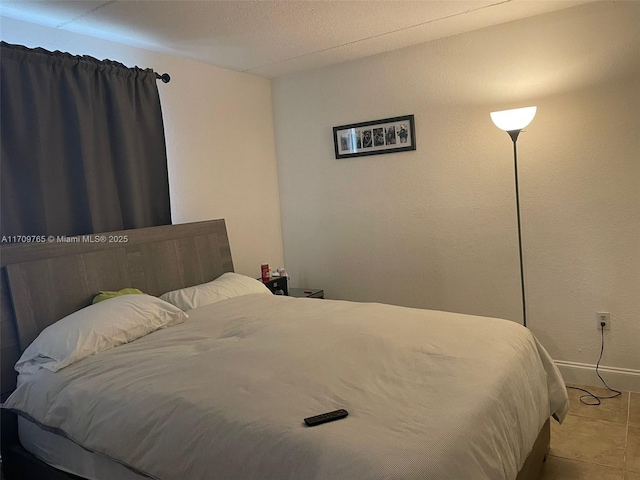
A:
x: 276, y: 284
x: 306, y: 293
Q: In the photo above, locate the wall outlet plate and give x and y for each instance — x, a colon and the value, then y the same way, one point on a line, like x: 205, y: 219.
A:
x: 603, y: 317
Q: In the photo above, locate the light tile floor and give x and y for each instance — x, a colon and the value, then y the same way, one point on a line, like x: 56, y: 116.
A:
x: 596, y: 442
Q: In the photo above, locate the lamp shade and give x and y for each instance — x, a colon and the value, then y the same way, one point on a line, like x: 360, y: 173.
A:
x: 515, y: 119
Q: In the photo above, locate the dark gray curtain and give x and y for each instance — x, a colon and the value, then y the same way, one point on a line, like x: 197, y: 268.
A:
x: 82, y: 145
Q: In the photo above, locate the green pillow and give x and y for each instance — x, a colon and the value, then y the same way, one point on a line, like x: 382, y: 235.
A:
x: 107, y: 295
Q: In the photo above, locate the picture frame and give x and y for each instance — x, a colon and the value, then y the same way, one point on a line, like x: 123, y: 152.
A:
x: 387, y: 135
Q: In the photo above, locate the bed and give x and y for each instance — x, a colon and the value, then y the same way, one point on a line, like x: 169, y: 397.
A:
x: 223, y: 393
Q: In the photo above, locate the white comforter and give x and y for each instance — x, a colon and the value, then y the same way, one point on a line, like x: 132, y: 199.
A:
x: 430, y: 395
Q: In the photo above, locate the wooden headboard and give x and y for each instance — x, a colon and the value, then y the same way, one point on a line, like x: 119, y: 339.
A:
x: 43, y: 282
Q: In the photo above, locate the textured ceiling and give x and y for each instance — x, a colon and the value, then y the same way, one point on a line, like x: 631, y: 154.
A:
x: 274, y: 38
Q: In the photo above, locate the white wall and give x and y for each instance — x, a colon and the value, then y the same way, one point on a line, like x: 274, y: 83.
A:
x: 436, y: 228
x: 220, y: 141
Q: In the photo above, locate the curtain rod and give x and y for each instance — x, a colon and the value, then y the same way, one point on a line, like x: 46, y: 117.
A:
x: 164, y: 77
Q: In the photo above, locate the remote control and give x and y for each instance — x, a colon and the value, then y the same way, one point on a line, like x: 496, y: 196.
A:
x: 326, y: 417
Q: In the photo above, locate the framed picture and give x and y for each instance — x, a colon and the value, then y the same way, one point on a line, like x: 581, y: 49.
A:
x: 389, y: 135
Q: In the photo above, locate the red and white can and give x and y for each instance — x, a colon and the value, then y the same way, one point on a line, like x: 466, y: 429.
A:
x: 266, y: 274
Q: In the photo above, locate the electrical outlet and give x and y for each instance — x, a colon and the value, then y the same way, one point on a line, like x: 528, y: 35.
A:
x: 603, y: 317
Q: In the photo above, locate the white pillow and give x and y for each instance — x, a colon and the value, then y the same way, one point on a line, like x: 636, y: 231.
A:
x: 228, y: 285
x: 96, y: 328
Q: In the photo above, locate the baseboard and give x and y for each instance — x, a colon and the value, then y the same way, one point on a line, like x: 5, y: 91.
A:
x: 584, y: 374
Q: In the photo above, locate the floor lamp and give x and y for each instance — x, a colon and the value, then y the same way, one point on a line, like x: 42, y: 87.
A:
x: 512, y: 122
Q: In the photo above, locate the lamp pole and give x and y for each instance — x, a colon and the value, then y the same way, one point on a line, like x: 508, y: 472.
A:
x: 514, y: 136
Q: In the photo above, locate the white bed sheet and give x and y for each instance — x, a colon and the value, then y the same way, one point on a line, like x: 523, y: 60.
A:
x: 69, y: 457
x: 430, y: 395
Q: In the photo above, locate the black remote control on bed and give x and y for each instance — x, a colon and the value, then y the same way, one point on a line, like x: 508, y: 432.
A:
x: 326, y: 417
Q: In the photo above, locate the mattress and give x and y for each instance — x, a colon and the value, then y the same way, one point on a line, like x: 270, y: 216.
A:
x: 68, y: 456
x: 430, y: 395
